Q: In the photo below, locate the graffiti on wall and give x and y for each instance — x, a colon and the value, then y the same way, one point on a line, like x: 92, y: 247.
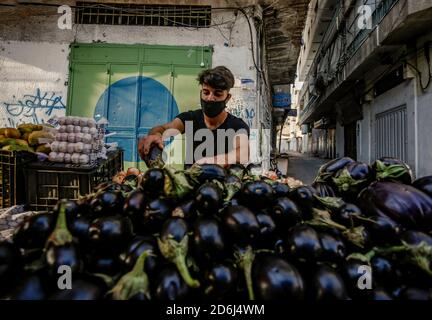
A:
x: 243, y: 102
x: 31, y: 108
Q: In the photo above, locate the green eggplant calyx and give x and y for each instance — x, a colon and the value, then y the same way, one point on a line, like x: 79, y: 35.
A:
x: 134, y: 282
x: 365, y: 258
x: 345, y: 182
x: 322, y: 218
x: 176, y: 253
x: 394, y: 171
x: 355, y: 236
x: 245, y: 260
x: 331, y: 203
x: 180, y: 184
x: 61, y: 235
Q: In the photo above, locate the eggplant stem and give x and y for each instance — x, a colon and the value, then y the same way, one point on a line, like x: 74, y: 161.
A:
x: 392, y: 171
x: 180, y: 263
x: 344, y: 182
x: 245, y: 261
x: 179, y: 181
x: 134, y: 281
x: 355, y: 236
x: 330, y: 203
x: 176, y: 253
x: 61, y: 235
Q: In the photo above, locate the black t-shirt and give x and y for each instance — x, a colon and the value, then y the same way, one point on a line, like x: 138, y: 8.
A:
x: 222, y: 145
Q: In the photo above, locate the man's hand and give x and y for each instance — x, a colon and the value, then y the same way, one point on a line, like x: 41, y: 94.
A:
x: 147, y: 142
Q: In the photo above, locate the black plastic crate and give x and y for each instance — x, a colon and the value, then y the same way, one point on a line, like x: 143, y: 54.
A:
x: 12, y: 182
x: 48, y: 182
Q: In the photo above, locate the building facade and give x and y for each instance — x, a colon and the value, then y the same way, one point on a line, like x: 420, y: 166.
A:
x: 367, y: 86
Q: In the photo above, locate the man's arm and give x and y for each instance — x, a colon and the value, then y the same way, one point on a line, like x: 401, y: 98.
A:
x: 240, y: 154
x: 155, y: 135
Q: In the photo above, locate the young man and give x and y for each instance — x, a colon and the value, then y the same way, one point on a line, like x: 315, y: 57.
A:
x: 213, y: 135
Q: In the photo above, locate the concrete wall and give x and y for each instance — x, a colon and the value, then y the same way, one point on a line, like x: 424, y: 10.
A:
x: 34, y: 62
x: 419, y: 117
x: 33, y: 81
x: 340, y: 141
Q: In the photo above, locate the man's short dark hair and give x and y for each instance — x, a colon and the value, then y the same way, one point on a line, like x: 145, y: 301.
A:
x: 219, y: 78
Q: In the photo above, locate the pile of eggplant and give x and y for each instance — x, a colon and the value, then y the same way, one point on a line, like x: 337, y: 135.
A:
x: 208, y: 233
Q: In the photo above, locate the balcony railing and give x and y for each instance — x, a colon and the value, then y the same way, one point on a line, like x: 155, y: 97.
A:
x: 381, y: 10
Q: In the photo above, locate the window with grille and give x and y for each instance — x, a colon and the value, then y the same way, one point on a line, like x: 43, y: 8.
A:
x: 391, y: 133
x: 143, y: 15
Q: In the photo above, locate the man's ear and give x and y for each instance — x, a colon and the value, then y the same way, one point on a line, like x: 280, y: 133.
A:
x: 228, y: 97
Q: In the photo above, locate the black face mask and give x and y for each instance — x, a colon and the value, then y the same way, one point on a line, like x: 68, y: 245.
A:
x: 212, y: 109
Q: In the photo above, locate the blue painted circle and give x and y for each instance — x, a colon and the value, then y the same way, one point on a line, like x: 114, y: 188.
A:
x: 153, y: 108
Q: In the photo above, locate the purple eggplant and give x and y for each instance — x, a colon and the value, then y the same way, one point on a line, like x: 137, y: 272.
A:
x: 286, y: 213
x: 333, y: 248
x: 240, y: 224
x: 268, y: 232
x: 10, y: 264
x: 351, y: 271
x: 256, y: 194
x: 103, y: 263
x: 34, y: 231
x: 383, y: 271
x: 424, y: 184
x: 208, y: 198
x: 107, y: 203
x: 30, y: 287
x: 174, y: 246
x: 352, y: 179
x: 186, y: 210
x: 379, y: 294
x: 280, y: 190
x: 329, y: 285
x: 154, y: 158
x: 391, y: 169
x: 303, y: 244
x: 170, y: 286
x: 111, y: 234
x: 153, y: 182
x: 276, y: 279
x: 324, y: 189
x: 404, y: 204
x: 348, y: 215
x: 304, y: 197
x: 329, y: 170
x: 79, y: 228
x: 135, y: 204
x: 383, y: 230
x: 152, y: 262
x: 220, y: 280
x: 155, y: 214
x: 208, y: 240
x: 82, y: 289
x: 416, y: 237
